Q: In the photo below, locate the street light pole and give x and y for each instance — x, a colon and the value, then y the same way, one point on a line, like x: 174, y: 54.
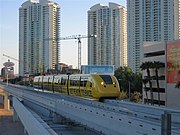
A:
x: 7, y: 79
x: 129, y: 90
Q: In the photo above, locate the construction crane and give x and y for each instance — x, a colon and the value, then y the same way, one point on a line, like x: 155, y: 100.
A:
x: 78, y: 37
x: 14, y: 59
x: 11, y: 57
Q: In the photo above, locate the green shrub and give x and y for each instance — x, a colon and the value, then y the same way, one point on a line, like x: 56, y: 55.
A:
x: 123, y: 94
x: 136, y: 96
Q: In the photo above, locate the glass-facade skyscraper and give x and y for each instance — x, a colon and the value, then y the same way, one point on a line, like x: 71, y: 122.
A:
x: 109, y: 25
x: 39, y: 28
x: 150, y: 20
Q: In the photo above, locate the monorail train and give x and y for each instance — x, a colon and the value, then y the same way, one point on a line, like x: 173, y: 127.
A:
x: 91, y: 86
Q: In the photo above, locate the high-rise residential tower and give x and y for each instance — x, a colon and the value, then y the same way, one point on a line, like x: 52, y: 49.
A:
x: 109, y: 25
x: 39, y: 27
x: 150, y: 20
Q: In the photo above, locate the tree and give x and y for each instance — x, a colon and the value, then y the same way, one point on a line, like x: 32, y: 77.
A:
x: 123, y: 74
x: 136, y: 82
x: 145, y: 81
x: 146, y: 66
x: 126, y: 76
x: 157, y: 65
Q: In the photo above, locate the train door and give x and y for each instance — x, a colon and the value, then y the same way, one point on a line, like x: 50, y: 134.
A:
x: 45, y: 82
x: 53, y: 83
x: 67, y: 83
x: 42, y: 84
x: 87, y: 84
x: 39, y: 83
x: 35, y: 85
x: 57, y: 84
x: 63, y: 85
x: 48, y: 83
x: 74, y: 86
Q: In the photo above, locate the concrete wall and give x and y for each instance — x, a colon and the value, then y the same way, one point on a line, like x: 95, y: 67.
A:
x: 173, y: 95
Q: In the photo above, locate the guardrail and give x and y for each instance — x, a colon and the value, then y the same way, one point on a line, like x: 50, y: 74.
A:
x: 31, y: 124
x: 166, y: 123
x: 146, y: 110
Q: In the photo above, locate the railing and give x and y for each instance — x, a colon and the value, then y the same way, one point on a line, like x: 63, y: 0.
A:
x: 31, y: 124
x: 166, y: 123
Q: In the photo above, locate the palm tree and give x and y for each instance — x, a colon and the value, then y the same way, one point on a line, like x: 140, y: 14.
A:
x: 145, y: 81
x: 125, y: 74
x: 157, y: 65
x: 146, y: 66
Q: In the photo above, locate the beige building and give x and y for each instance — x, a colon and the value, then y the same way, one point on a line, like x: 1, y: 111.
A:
x: 169, y: 54
x: 109, y: 24
x: 39, y: 28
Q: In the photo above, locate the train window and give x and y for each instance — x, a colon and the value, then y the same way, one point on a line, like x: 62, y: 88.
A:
x: 63, y: 81
x: 81, y: 83
x: 49, y: 80
x: 107, y: 79
x: 74, y: 82
x: 71, y: 82
x: 90, y: 84
x: 77, y: 82
x: 56, y: 80
x: 85, y: 83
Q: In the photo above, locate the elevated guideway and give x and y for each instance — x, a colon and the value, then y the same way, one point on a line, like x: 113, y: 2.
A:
x: 105, y: 117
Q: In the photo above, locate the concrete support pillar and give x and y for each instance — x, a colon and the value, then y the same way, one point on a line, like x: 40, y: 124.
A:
x: 1, y: 99
x: 25, y: 131
x: 1, y: 102
x: 6, y: 103
x: 15, y: 116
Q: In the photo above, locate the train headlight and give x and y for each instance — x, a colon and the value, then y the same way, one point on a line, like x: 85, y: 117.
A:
x: 102, y: 83
x: 114, y: 84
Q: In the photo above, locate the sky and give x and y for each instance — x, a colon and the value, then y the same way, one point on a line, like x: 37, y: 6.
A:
x: 73, y: 22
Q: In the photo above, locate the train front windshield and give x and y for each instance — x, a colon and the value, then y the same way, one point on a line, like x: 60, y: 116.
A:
x: 107, y: 79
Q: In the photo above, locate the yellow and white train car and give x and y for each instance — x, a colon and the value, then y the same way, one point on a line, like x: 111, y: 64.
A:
x: 91, y: 86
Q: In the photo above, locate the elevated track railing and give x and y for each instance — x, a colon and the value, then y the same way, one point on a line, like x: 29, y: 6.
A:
x: 31, y: 124
x: 146, y: 111
x: 166, y: 123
